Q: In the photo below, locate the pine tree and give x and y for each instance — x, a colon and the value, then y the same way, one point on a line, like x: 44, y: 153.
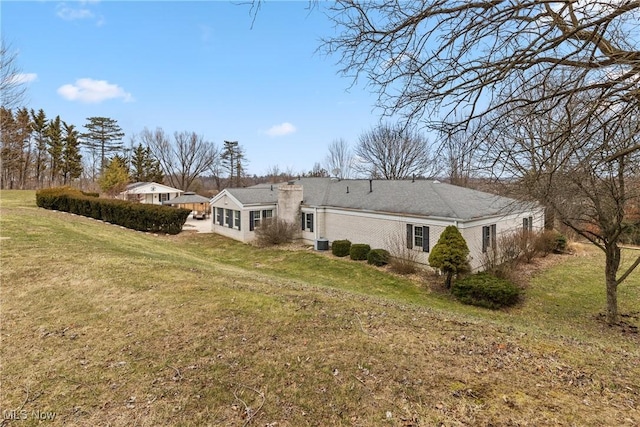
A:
x: 39, y: 127
x: 144, y: 167
x: 55, y: 147
x: 71, y: 157
x: 104, y: 136
x: 23, y: 138
x: 450, y: 254
x: 232, y: 160
x: 8, y: 152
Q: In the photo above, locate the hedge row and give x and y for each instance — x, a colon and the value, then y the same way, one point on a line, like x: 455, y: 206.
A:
x: 136, y: 216
x: 360, y: 252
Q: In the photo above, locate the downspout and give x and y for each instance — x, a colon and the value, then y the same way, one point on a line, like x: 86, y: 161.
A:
x: 315, y: 225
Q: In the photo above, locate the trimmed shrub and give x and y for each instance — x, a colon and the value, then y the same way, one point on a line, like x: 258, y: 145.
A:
x: 451, y: 254
x: 378, y: 257
x: 485, y: 290
x: 340, y: 247
x: 359, y: 251
x: 141, y: 217
x: 275, y: 231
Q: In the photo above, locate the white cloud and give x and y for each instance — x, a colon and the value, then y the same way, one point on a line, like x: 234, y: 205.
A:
x: 282, y: 129
x: 22, y: 78
x: 79, y: 10
x: 93, y: 91
x: 69, y: 13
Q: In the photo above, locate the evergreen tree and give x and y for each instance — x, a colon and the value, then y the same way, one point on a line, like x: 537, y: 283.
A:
x: 71, y: 157
x: 39, y: 127
x: 15, y: 136
x: 23, y: 138
x: 115, y: 176
x: 8, y: 151
x: 232, y: 158
x: 450, y: 254
x: 55, y: 147
x: 104, y: 136
x: 144, y: 167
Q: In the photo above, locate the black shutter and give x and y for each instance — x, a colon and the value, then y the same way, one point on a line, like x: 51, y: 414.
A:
x: 493, y: 237
x: 425, y: 239
x: 302, y: 220
x: 310, y: 216
x: 485, y: 232
x: 250, y: 220
x: 409, y: 236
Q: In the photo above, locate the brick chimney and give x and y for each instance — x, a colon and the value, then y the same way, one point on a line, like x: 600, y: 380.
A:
x: 289, y: 199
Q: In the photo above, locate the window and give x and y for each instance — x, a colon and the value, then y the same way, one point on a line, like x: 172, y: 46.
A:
x: 307, y: 221
x: 527, y: 224
x: 310, y: 222
x: 254, y: 220
x: 164, y: 197
x: 236, y: 219
x: 418, y: 237
x: 220, y: 216
x: 256, y: 217
x: 228, y: 218
x: 488, y: 237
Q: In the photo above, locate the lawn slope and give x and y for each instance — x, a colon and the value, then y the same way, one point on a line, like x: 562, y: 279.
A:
x: 106, y: 326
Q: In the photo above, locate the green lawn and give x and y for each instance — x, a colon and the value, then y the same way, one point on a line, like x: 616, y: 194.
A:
x: 107, y: 326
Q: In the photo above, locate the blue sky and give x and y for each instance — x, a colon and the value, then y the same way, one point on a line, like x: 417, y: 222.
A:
x: 192, y: 66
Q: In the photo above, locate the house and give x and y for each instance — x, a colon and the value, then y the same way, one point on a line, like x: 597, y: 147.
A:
x: 397, y: 215
x: 149, y: 192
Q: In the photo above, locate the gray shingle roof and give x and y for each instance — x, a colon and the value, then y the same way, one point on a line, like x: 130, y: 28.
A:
x: 259, y: 194
x: 187, y: 198
x: 417, y: 198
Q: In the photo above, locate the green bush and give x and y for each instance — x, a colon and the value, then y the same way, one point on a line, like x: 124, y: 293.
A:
x: 340, y: 247
x: 485, y: 290
x: 152, y: 218
x: 359, y: 251
x: 378, y: 257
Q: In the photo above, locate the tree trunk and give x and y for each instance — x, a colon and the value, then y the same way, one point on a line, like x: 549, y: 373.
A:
x: 612, y: 253
x: 447, y: 281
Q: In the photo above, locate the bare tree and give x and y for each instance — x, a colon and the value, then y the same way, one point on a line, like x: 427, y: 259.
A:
x: 446, y: 63
x: 458, y: 151
x: 578, y: 172
x: 393, y: 152
x: 12, y: 81
x: 183, y: 159
x: 339, y: 161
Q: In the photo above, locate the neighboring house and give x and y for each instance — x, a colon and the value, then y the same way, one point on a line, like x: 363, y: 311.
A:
x: 149, y: 192
x: 388, y: 214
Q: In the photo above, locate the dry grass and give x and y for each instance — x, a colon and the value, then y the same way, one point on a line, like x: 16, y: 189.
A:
x: 105, y: 326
